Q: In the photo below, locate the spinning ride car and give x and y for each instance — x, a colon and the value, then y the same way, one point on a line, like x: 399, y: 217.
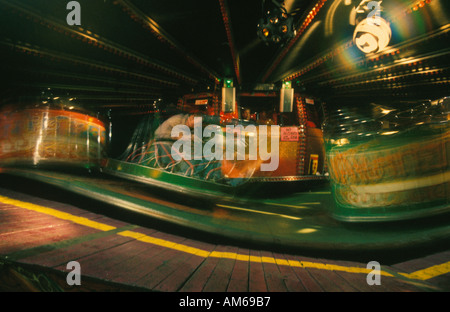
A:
x: 208, y: 144
x: 390, y: 164
x: 51, y: 132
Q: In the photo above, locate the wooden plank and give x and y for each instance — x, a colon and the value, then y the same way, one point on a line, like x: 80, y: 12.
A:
x: 15, y: 228
x: 7, y: 207
x: 346, y: 281
x: 21, y: 215
x: 309, y: 283
x: 359, y: 282
x: 59, y: 257
x: 26, y: 220
x: 290, y: 278
x: 139, y: 265
x: 199, y: 278
x: 19, y: 212
x: 257, y: 282
x: 171, y: 261
x: 440, y: 257
x: 164, y: 262
x: 36, y: 237
x: 239, y: 276
x: 387, y: 284
x: 273, y: 277
x: 336, y: 278
x: 326, y: 280
x: 173, y: 282
x: 350, y: 282
x: 394, y: 284
x: 413, y: 265
x: 220, y: 277
x: 442, y: 282
x: 105, y: 261
x: 142, y: 264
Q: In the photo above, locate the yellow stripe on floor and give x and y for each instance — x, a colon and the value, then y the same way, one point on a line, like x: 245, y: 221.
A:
x: 419, y: 275
x: 58, y: 214
x: 259, y: 211
x: 430, y: 272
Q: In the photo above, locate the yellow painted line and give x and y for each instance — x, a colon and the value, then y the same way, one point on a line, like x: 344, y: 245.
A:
x: 430, y: 272
x: 164, y: 243
x: 333, y: 267
x: 259, y: 211
x: 223, y: 255
x: 290, y: 206
x: 58, y: 214
x: 282, y: 262
x: 303, y: 206
x: 421, y: 274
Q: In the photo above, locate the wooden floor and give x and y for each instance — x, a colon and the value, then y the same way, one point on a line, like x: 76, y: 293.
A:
x: 38, y: 238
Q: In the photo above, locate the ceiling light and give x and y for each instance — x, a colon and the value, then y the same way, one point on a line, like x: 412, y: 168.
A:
x: 276, y: 24
x: 372, y: 32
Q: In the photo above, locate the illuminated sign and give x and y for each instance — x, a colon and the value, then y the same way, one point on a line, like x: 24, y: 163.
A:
x: 201, y: 102
x: 309, y: 101
x: 370, y: 37
x: 289, y: 134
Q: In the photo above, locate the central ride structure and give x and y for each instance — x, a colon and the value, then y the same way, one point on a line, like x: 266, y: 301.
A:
x: 257, y: 142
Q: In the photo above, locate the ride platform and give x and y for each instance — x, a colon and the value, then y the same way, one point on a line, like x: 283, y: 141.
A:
x: 246, y: 245
x: 298, y: 220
